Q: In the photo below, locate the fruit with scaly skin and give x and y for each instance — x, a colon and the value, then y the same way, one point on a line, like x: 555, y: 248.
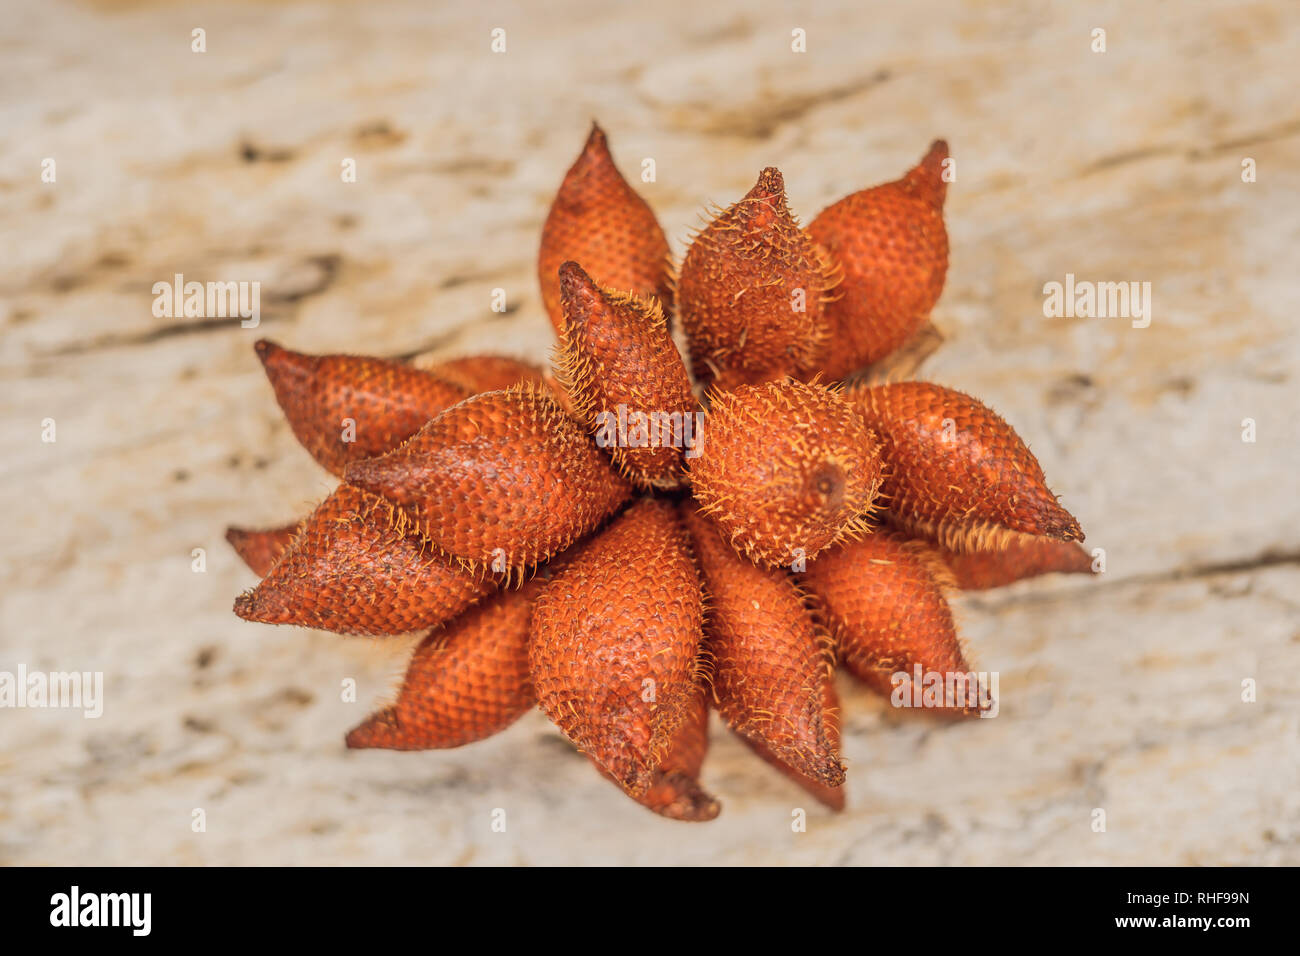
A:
x: 882, y: 599
x: 770, y: 666
x: 504, y: 479
x: 465, y: 682
x: 892, y: 247
x: 752, y: 292
x: 617, y: 362
x: 786, y: 470
x: 824, y: 793
x: 598, y: 221
x: 675, y: 791
x: 615, y: 640
x: 356, y: 567
x: 615, y: 636
x: 958, y: 474
x: 345, y: 408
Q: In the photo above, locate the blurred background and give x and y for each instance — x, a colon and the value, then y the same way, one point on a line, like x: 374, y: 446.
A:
x: 1122, y: 693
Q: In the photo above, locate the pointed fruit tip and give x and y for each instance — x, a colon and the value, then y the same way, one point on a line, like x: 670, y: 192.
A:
x: 1080, y: 561
x: 693, y: 804
x: 246, y: 605
x: 278, y: 359
x: 770, y: 186
x: 833, y: 799
x: 597, y: 142
x: 1063, y: 526
x: 822, y: 768
x: 926, y: 178
x: 578, y: 290
x: 573, y: 276
x: 369, y: 733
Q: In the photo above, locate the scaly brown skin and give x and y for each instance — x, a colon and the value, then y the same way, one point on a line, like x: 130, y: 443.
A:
x: 786, y: 470
x: 501, y: 481
x: 357, y: 567
x: 892, y: 246
x: 770, y: 667
x: 882, y: 600
x: 618, y: 364
x: 1025, y: 558
x: 465, y: 682
x: 753, y: 290
x: 599, y: 221
x: 958, y: 474
x: 675, y: 791
x: 386, y: 402
x: 825, y: 794
x: 609, y: 636
x: 615, y: 638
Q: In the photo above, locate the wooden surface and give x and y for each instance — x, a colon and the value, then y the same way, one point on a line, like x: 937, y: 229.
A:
x: 1123, y: 693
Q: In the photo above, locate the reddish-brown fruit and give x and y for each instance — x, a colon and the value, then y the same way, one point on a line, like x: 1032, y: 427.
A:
x: 832, y: 797
x: 344, y: 408
x: 615, y: 647
x: 925, y: 180
x: 261, y: 549
x: 502, y: 480
x: 355, y: 568
x: 466, y: 681
x: 676, y: 792
x: 626, y: 379
x: 615, y: 638
x: 598, y: 220
x: 753, y: 290
x: 958, y: 474
x: 905, y: 361
x: 892, y: 247
x: 882, y: 599
x: 485, y: 373
x: 559, y: 392
x: 786, y: 469
x: 1023, y: 558
x: 770, y: 667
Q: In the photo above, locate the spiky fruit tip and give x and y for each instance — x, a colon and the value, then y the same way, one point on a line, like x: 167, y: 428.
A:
x: 625, y: 378
x: 752, y: 292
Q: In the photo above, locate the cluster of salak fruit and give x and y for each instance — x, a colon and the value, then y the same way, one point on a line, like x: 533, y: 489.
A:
x: 628, y: 587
